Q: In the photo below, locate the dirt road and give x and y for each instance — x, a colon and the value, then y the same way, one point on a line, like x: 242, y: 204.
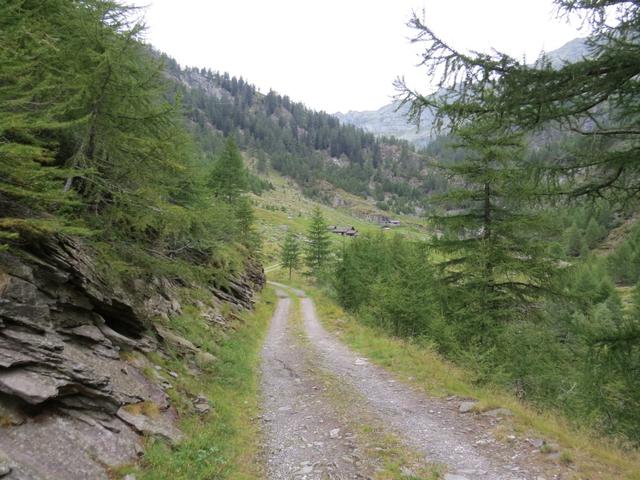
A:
x: 312, y: 435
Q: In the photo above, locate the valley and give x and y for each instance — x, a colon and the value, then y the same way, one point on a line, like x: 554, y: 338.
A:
x: 285, y: 208
x: 201, y: 279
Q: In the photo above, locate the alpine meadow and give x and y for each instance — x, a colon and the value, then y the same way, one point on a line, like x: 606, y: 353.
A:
x: 203, y: 278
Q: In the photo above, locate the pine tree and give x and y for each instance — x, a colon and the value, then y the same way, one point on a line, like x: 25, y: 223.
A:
x: 228, y: 179
x: 33, y: 102
x: 623, y: 264
x: 92, y: 141
x: 612, y: 363
x: 244, y: 217
x: 596, y: 98
x: 495, y: 260
x: 575, y: 241
x: 290, y: 253
x: 593, y: 233
x: 318, y: 241
x: 83, y: 113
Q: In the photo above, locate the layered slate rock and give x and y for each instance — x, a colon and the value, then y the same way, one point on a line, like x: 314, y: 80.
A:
x: 61, y: 331
x: 65, y: 386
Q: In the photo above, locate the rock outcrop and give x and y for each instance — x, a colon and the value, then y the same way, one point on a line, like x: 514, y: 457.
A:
x: 65, y: 386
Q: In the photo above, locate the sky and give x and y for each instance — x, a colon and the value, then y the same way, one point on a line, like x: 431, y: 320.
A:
x: 341, y: 55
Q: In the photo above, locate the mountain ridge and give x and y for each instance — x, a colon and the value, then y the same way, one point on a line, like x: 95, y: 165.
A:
x: 392, y: 119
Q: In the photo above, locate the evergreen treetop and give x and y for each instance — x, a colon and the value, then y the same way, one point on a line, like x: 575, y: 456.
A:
x: 596, y: 98
x: 290, y: 253
x: 228, y: 178
x: 318, y: 242
x: 492, y: 245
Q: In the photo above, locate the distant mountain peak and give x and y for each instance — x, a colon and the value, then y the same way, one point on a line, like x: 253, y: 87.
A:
x: 392, y: 119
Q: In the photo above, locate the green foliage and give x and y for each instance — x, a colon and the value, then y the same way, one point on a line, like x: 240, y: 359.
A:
x: 229, y: 178
x: 94, y: 144
x: 307, y: 146
x: 318, y: 243
x: 575, y: 353
x: 33, y: 104
x: 594, y: 100
x: 392, y: 284
x: 244, y: 216
x: 493, y: 248
x: 594, y: 233
x: 575, y: 241
x: 258, y: 185
x: 290, y: 253
x: 624, y: 262
x: 225, y: 443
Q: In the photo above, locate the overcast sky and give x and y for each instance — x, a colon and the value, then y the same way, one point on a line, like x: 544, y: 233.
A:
x: 340, y: 55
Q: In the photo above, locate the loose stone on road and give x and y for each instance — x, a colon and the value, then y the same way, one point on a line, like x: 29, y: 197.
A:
x: 306, y: 439
x: 305, y: 432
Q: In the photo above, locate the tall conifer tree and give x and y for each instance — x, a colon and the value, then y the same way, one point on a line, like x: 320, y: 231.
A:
x: 228, y: 179
x: 493, y: 246
x: 597, y: 98
x: 290, y: 253
x: 317, y: 250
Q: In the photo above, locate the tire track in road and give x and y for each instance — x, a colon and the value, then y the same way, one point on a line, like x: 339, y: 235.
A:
x: 431, y: 426
x: 306, y: 438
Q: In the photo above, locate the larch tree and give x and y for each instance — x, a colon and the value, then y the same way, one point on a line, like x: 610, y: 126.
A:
x: 493, y: 250
x: 290, y: 253
x: 596, y: 98
x: 243, y: 210
x: 228, y: 178
x: 318, y: 242
x: 84, y: 117
x: 593, y: 102
x: 91, y: 137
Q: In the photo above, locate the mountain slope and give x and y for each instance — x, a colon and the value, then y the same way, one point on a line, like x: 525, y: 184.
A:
x: 313, y: 148
x: 391, y: 119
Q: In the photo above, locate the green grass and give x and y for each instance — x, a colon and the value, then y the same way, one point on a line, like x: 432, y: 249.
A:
x: 591, y: 456
x: 285, y: 208
x: 226, y: 442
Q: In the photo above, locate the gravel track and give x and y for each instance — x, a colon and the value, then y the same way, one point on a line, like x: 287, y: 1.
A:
x: 306, y: 438
x: 431, y: 426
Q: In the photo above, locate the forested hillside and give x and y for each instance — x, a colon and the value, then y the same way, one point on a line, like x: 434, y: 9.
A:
x: 125, y: 251
x: 94, y: 143
x: 530, y: 279
x: 139, y: 199
x: 311, y: 147
x: 391, y: 119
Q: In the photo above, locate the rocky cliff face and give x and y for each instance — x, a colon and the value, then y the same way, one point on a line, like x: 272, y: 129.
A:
x: 71, y: 361
x: 391, y: 120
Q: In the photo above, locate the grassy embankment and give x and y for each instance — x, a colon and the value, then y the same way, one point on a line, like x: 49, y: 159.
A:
x: 589, y: 455
x: 224, y: 443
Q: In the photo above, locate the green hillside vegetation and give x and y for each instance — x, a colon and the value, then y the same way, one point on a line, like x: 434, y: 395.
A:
x: 418, y: 360
x: 509, y: 286
x: 310, y: 147
x: 515, y: 266
x: 285, y: 208
x: 94, y: 144
x: 226, y: 443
